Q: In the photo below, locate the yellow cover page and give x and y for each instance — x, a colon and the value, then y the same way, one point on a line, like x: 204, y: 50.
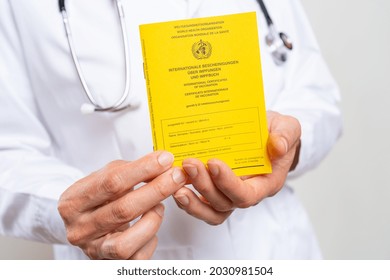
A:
x: 205, y: 90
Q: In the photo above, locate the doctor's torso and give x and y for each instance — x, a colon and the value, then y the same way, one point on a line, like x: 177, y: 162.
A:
x: 98, y: 43
x: 88, y: 142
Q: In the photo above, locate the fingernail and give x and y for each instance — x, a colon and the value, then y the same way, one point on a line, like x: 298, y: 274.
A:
x: 165, y: 159
x: 192, y: 171
x: 182, y: 199
x: 178, y: 176
x: 159, y: 210
x: 285, y: 143
x: 214, y: 170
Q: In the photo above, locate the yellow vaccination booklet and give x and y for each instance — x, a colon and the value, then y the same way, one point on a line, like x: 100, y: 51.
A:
x: 205, y: 90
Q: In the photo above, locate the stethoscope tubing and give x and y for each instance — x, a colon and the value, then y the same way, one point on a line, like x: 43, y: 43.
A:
x: 117, y: 106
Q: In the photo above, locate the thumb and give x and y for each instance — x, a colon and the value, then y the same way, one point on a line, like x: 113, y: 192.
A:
x: 284, y: 138
x: 277, y: 146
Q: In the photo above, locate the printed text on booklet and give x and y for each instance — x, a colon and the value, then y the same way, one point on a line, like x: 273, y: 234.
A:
x: 205, y: 90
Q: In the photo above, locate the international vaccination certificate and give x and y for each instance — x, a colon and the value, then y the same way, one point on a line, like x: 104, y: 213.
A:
x: 205, y: 90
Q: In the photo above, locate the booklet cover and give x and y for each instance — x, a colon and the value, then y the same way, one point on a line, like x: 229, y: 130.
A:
x: 205, y: 90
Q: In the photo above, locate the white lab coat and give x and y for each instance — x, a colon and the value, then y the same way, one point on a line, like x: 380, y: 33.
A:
x: 46, y: 143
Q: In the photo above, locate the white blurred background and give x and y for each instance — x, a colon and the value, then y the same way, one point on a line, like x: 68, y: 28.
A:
x: 348, y: 195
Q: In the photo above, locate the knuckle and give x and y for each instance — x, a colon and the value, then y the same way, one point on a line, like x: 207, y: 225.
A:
x: 65, y: 209
x: 74, y: 237
x: 150, y: 168
x: 161, y: 189
x: 122, y: 212
x: 70, y: 203
x: 92, y: 251
x: 98, y: 225
x: 111, y: 182
x: 147, y: 167
x: 117, y: 249
x: 152, y: 171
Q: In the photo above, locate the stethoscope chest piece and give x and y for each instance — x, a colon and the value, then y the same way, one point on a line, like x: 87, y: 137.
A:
x: 279, y: 45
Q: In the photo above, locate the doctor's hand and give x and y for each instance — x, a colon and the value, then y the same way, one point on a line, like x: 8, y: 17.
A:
x: 97, y: 209
x: 221, y: 191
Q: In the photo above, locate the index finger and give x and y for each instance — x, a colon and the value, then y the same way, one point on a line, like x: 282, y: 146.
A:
x: 133, y: 204
x: 114, y: 180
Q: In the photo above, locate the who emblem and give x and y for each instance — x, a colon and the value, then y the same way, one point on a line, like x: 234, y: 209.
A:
x: 201, y: 49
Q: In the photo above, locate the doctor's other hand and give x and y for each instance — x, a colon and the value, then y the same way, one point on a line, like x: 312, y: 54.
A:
x: 97, y: 209
x: 221, y: 191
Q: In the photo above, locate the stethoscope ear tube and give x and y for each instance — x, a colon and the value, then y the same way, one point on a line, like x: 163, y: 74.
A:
x: 61, y: 4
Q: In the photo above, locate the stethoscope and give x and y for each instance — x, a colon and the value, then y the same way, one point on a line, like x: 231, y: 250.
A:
x: 279, y: 45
